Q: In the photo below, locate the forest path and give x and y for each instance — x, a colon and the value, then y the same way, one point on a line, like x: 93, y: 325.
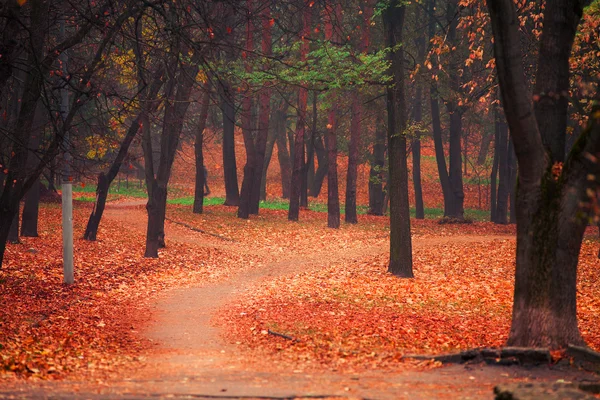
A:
x: 191, y: 359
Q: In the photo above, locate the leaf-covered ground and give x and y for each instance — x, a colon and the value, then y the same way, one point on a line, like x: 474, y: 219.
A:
x: 48, y: 329
x: 358, y: 316
x: 328, y: 291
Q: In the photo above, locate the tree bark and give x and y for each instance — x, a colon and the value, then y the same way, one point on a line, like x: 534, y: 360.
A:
x: 400, y: 241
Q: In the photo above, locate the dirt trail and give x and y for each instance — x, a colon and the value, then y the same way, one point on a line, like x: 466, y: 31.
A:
x: 191, y: 359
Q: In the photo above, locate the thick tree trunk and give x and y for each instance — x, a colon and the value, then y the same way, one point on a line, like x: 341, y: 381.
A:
x: 550, y: 226
x: 376, y: 173
x: 232, y: 194
x: 333, y: 200
x: 351, y: 177
x: 200, y: 182
x: 400, y: 241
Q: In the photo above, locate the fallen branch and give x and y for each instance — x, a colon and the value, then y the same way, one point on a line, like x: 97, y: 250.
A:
x: 281, y: 335
x: 501, y: 356
x: 193, y: 228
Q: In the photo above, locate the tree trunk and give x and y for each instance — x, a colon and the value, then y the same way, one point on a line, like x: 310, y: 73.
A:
x: 264, y: 109
x: 13, y: 235
x: 104, y: 180
x: 455, y: 172
x: 455, y: 208
x: 376, y: 173
x: 400, y: 241
x: 550, y: 220
x: 418, y: 118
x: 232, y: 194
x: 177, y: 101
x: 200, y: 181
x: 268, y: 155
x: 29, y: 226
x: 322, y: 167
x: 310, y: 168
x: 304, y: 176
x: 294, y: 209
x: 333, y: 201
x: 351, y: 177
x: 503, y: 178
x: 248, y: 128
x: 494, y: 174
x: 32, y: 86
x: 484, y: 149
x: 283, y: 155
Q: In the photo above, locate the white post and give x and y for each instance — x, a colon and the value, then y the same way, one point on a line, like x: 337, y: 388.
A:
x: 67, y: 231
x: 67, y: 188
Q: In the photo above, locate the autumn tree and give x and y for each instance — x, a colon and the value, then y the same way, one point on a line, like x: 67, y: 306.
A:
x: 551, y: 186
x: 400, y: 241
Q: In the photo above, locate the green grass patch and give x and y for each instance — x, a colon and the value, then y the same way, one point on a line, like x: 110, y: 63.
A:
x: 131, y: 191
x: 280, y: 204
